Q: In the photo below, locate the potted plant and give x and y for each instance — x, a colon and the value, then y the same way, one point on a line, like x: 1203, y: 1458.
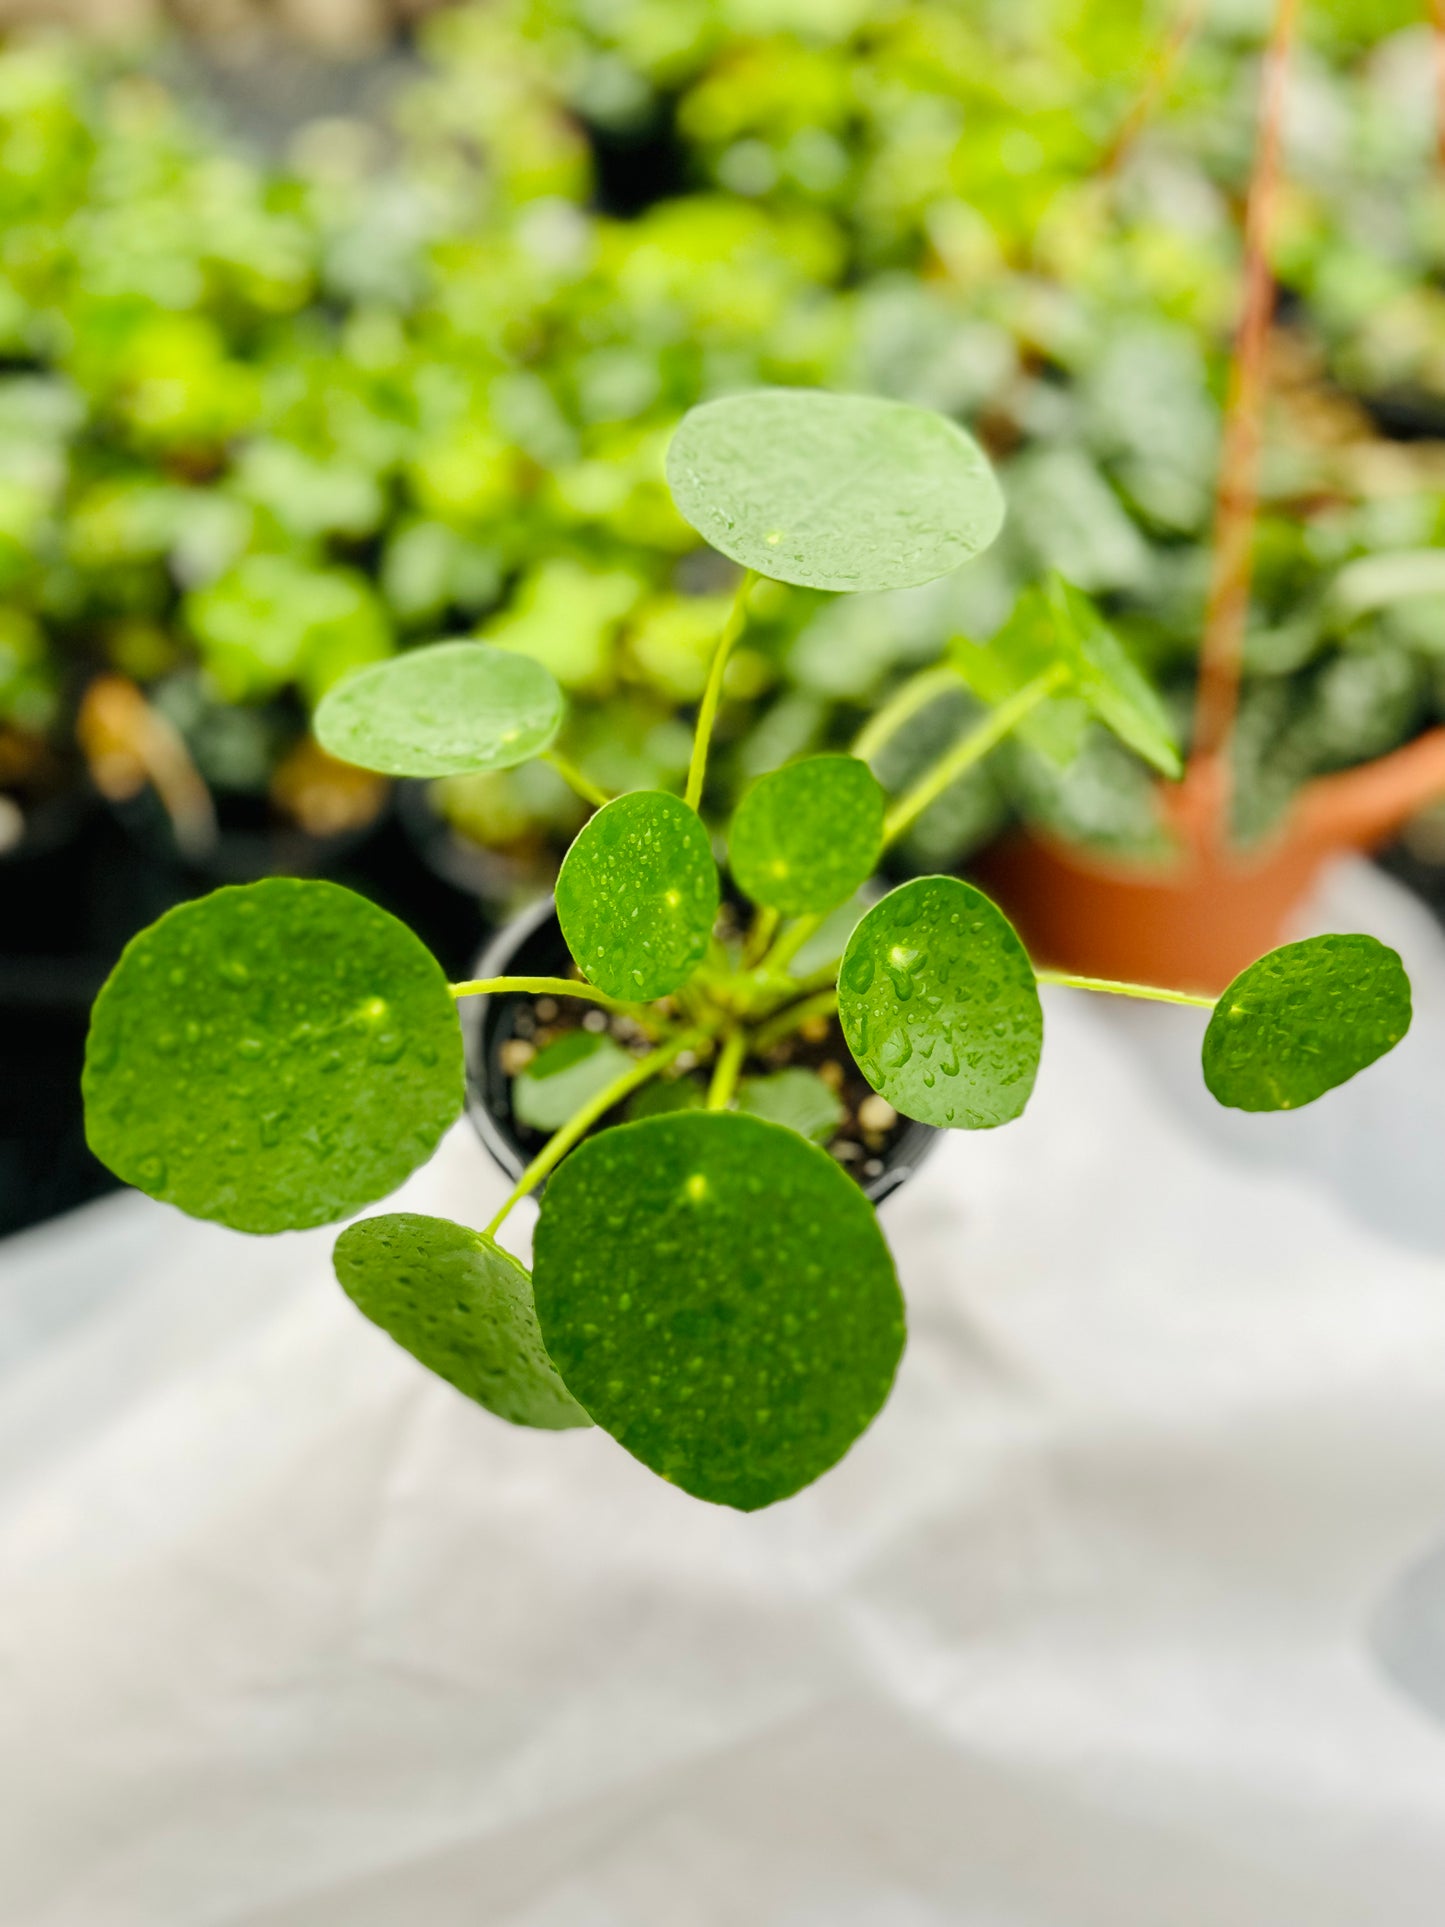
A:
x: 1195, y: 912
x: 709, y: 1285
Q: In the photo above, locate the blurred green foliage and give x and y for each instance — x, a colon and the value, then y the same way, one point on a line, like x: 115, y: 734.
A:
x: 260, y: 424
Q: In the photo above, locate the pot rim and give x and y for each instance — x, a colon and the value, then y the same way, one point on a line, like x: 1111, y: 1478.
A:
x: 910, y: 1149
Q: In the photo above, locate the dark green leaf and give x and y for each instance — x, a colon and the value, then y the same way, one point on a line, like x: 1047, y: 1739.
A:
x: 717, y: 1294
x: 806, y: 836
x: 833, y: 491
x: 1302, y: 1020
x: 638, y: 895
x: 453, y: 709
x: 273, y: 1056
x: 795, y: 1097
x: 940, y: 1006
x: 462, y: 1306
x: 561, y: 1078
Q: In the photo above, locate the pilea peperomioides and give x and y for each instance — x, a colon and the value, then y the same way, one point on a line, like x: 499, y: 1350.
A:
x: 709, y: 1284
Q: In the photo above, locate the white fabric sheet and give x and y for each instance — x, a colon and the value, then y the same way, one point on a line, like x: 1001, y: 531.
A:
x: 1085, y: 1633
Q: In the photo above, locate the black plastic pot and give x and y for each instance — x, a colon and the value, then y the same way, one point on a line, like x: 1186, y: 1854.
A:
x: 532, y: 946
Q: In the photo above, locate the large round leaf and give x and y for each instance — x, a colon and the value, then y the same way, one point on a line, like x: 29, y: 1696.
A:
x: 806, y: 836
x: 833, y: 491
x: 462, y: 1306
x: 449, y: 710
x: 1302, y: 1020
x: 718, y: 1295
x: 638, y: 895
x: 272, y: 1056
x: 940, y: 1005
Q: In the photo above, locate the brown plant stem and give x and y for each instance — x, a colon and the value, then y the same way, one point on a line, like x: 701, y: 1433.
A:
x: 1237, y: 493
x: 1162, y: 68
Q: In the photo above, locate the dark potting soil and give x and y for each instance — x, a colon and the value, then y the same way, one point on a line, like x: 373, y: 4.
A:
x: 869, y: 1128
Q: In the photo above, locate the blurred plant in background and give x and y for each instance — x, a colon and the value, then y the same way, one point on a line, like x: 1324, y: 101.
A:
x: 265, y: 422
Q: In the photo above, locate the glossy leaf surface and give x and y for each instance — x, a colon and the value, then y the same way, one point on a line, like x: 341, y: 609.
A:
x: 1303, y: 1019
x: 940, y: 1006
x: 272, y: 1056
x: 833, y: 491
x: 806, y: 836
x: 718, y: 1295
x: 461, y: 1306
x: 638, y: 895
x: 454, y: 709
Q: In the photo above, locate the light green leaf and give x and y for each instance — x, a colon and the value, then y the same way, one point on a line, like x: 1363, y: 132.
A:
x: 1027, y: 647
x: 805, y: 837
x: 638, y: 895
x: 833, y: 491
x: 272, y: 1056
x: 1056, y: 627
x: 1110, y: 683
x: 940, y: 1006
x: 460, y: 1305
x: 796, y: 1098
x: 717, y: 1294
x: 560, y: 1079
x: 1303, y: 1019
x: 453, y: 709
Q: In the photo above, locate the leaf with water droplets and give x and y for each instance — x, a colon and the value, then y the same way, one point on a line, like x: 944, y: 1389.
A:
x: 272, y: 1056
x: 717, y: 1294
x: 460, y: 1305
x: 795, y: 1097
x: 833, y: 491
x: 638, y: 895
x: 1303, y: 1019
x: 806, y: 836
x: 940, y: 1006
x: 452, y: 709
x: 563, y: 1076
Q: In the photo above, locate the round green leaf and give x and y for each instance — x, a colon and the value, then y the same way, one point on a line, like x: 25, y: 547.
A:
x: 272, y: 1056
x: 717, y: 1294
x: 638, y: 895
x: 1302, y: 1020
x: 453, y: 709
x: 806, y: 836
x: 562, y: 1077
x: 462, y: 1306
x: 833, y: 491
x: 940, y: 1006
x: 795, y: 1097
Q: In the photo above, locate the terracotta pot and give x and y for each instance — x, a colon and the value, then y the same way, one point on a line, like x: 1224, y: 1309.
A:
x: 1195, y: 922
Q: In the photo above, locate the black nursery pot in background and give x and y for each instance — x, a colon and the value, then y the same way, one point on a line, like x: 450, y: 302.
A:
x: 532, y: 945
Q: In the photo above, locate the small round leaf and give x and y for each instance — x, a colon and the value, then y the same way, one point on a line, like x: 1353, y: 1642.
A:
x: 638, y: 895
x: 717, y: 1294
x: 562, y: 1077
x: 833, y: 491
x: 795, y: 1097
x: 940, y: 1006
x: 808, y: 835
x: 453, y: 709
x: 462, y: 1306
x: 1302, y: 1020
x: 273, y: 1056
